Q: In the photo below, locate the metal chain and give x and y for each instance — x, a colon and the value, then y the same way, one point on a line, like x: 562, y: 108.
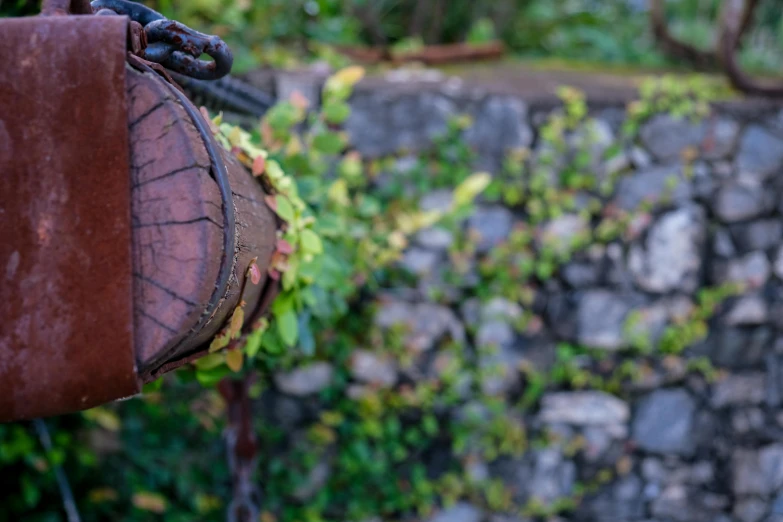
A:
x: 241, y: 450
x: 172, y: 44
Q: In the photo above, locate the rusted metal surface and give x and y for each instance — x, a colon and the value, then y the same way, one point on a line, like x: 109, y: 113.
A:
x: 97, y: 158
x: 66, y: 338
x: 65, y: 7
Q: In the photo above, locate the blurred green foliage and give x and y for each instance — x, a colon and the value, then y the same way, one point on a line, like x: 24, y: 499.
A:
x: 161, y: 457
x: 391, y: 452
x: 283, y: 32
x: 605, y: 31
x: 19, y: 7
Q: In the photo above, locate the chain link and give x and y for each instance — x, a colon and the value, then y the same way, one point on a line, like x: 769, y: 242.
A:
x: 241, y: 450
x: 172, y: 44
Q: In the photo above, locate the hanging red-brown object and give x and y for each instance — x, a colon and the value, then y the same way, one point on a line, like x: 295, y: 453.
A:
x: 125, y: 230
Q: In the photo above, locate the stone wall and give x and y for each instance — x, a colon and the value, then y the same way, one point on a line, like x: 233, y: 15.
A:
x: 683, y: 447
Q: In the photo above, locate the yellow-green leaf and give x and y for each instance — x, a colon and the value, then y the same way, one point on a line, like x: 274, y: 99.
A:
x: 220, y: 341
x: 149, y: 501
x: 209, y: 378
x: 206, y: 503
x: 336, y: 112
x: 284, y: 208
x: 288, y: 327
x: 234, y: 360
x: 210, y: 361
x: 235, y: 137
x: 329, y: 142
x: 338, y: 193
x: 253, y: 344
x: 344, y: 80
x: 273, y: 170
x: 410, y: 223
x: 351, y: 166
x: 471, y: 187
x: 237, y: 320
x: 311, y: 243
x: 100, y: 495
x: 105, y: 418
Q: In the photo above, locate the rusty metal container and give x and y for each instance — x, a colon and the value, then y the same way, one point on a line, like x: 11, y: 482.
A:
x: 125, y: 231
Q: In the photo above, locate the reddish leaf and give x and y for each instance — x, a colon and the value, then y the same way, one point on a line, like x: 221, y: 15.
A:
x: 259, y: 165
x: 284, y: 247
x: 271, y: 202
x: 255, y: 274
x: 280, y: 263
x: 299, y: 101
x: 212, y: 127
x: 267, y: 135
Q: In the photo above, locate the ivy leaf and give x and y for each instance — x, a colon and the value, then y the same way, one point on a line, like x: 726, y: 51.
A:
x: 149, y: 501
x: 287, y: 327
x: 281, y: 206
x: 105, y: 418
x: 234, y: 360
x: 220, y: 341
x: 369, y: 206
x: 348, y: 76
x: 153, y: 386
x: 283, y: 116
x: 259, y: 165
x: 253, y: 345
x: 471, y: 187
x: 284, y: 209
x: 331, y: 225
x: 237, y: 319
x: 329, y: 142
x: 209, y: 378
x: 311, y: 243
x: 299, y: 101
x: 284, y: 247
x: 30, y: 492
x: 291, y: 274
x: 351, y: 166
x: 235, y: 137
x: 410, y: 223
x: 213, y: 124
x: 306, y: 339
x: 340, y: 84
x: 271, y: 343
x: 255, y: 273
x: 338, y: 193
x: 274, y: 170
x: 210, y: 361
x: 336, y: 112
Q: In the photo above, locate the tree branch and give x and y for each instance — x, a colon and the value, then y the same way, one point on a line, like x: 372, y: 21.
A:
x: 736, y: 18
x: 699, y: 58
